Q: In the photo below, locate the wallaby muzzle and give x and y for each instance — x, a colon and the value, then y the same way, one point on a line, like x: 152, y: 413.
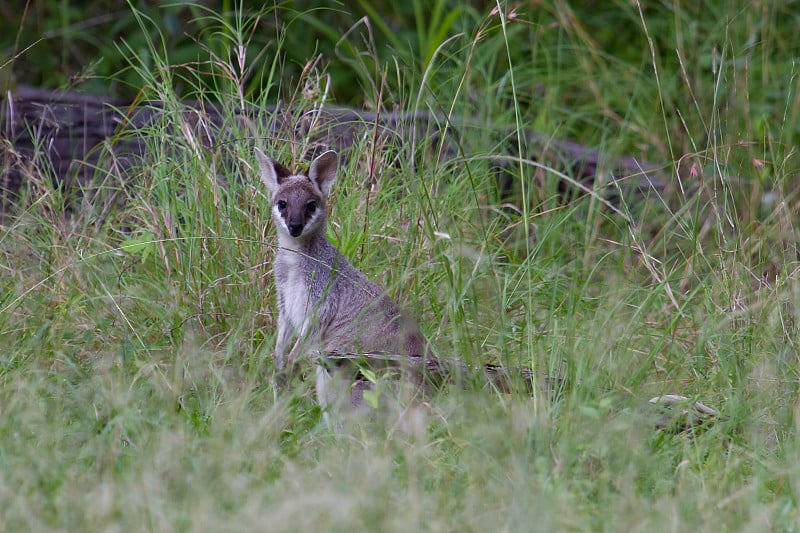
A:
x: 295, y: 229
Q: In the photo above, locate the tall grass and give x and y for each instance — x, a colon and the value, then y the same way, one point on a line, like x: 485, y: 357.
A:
x: 135, y: 342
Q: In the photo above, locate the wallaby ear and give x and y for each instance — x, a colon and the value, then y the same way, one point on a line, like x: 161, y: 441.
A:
x: 267, y: 167
x: 323, y: 171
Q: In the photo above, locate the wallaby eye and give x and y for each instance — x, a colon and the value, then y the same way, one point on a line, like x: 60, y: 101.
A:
x: 311, y: 206
x: 281, y: 204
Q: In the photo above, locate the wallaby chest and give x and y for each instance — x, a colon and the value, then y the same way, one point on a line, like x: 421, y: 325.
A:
x: 303, y: 277
x: 294, y: 295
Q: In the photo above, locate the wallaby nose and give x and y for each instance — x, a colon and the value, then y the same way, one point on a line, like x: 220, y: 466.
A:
x: 295, y: 230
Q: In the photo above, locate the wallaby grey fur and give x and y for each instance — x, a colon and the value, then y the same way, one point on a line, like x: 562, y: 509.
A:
x: 323, y: 300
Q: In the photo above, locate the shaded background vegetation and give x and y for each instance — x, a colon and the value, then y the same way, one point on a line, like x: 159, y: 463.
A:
x: 376, y: 51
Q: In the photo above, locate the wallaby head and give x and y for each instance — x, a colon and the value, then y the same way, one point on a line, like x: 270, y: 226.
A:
x: 299, y: 201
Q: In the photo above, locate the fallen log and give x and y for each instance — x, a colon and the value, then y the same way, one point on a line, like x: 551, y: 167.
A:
x: 73, y: 138
x: 680, y: 414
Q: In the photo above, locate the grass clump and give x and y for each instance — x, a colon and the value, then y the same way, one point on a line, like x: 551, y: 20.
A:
x: 135, y: 341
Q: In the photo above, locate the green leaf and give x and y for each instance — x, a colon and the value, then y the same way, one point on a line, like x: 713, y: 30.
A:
x: 143, y: 245
x: 370, y: 375
x: 371, y: 397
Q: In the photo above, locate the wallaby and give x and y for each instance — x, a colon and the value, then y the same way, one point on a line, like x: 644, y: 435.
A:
x: 323, y: 300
